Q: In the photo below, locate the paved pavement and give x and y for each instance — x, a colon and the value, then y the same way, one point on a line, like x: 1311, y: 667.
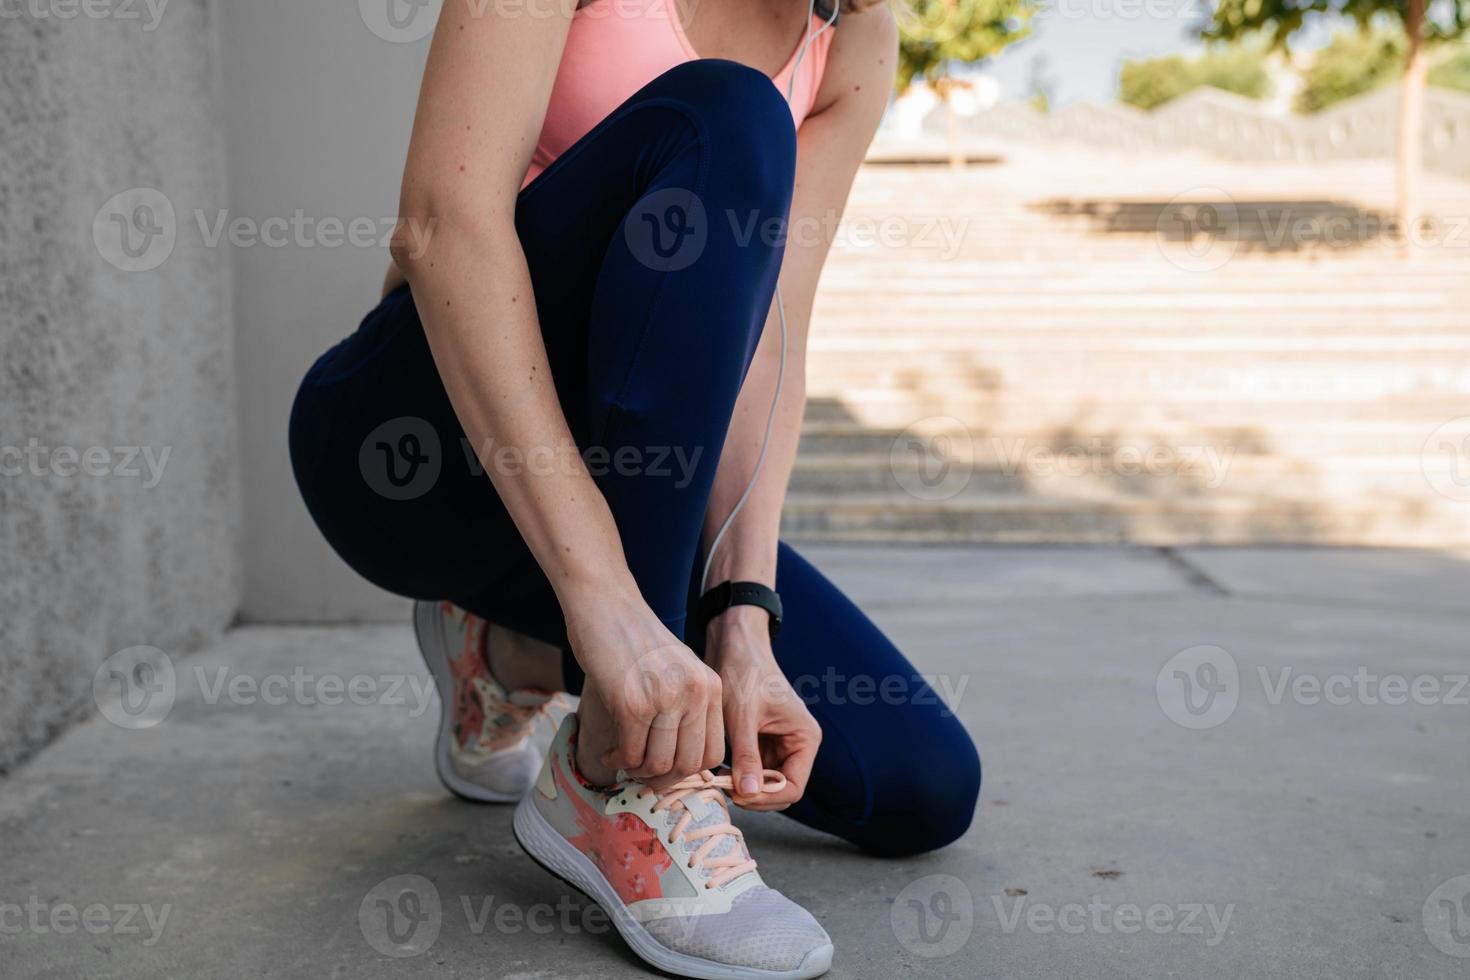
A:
x: 1242, y: 763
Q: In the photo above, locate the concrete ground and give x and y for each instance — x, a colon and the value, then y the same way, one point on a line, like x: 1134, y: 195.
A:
x: 1243, y: 763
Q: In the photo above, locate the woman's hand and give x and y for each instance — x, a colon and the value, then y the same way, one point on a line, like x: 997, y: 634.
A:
x: 768, y: 725
x: 662, y: 701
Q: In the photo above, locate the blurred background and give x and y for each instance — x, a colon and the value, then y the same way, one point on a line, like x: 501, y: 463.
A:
x: 1139, y: 397
x: 1118, y: 271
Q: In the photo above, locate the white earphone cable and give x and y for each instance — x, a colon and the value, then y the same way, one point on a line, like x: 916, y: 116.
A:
x: 760, y: 459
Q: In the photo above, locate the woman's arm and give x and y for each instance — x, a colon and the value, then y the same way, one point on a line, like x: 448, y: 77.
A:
x: 484, y: 97
x: 830, y: 147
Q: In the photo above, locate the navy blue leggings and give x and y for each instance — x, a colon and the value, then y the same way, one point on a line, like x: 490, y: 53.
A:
x: 653, y: 265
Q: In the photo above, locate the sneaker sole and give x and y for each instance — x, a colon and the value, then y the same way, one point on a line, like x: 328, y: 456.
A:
x: 549, y: 849
x: 428, y: 628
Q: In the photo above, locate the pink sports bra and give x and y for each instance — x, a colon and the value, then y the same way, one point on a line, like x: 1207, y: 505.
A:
x: 615, y: 47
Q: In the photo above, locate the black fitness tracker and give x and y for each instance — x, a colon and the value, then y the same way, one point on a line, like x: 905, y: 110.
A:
x: 728, y: 594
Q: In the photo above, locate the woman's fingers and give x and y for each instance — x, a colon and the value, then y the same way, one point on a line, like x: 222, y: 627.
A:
x: 714, y: 734
x: 663, y: 743
x: 689, y: 753
x: 632, y: 742
x: 745, y: 752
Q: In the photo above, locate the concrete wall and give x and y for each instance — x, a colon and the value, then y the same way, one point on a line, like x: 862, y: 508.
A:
x: 318, y: 104
x: 98, y: 357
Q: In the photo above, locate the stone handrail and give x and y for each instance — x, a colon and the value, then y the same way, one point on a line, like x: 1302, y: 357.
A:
x: 1235, y: 128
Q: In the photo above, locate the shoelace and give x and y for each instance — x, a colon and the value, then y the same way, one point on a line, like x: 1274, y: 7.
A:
x: 707, y: 786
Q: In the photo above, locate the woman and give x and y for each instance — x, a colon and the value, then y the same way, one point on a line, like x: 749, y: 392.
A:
x: 566, y: 390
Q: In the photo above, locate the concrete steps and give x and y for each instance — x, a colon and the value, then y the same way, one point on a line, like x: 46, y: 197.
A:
x: 1051, y: 333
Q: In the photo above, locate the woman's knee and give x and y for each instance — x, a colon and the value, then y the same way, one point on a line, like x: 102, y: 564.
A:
x: 744, y: 122
x: 927, y: 799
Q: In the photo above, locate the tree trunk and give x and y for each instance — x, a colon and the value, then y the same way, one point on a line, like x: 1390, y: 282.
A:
x: 1411, y: 114
x: 956, y: 156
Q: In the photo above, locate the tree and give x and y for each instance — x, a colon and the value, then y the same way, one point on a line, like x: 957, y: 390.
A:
x: 1232, y: 68
x: 936, y: 35
x: 1279, y: 20
x: 1358, y: 61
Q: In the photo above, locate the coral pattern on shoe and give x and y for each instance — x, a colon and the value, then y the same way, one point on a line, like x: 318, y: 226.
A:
x: 484, y: 751
x: 625, y: 849
x: 670, y: 869
x: 487, y: 718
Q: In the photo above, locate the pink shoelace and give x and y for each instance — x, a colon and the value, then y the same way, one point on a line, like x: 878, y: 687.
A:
x: 707, y: 786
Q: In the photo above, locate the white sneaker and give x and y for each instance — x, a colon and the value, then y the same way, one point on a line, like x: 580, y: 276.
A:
x: 484, y: 750
x: 670, y: 870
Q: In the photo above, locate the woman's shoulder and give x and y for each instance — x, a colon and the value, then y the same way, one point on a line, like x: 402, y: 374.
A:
x: 863, y: 57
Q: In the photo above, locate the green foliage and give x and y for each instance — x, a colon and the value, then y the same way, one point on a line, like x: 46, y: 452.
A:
x: 1278, y: 20
x: 934, y: 34
x: 1353, y: 63
x: 1452, y: 70
x: 1234, y: 68
x: 1360, y: 61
